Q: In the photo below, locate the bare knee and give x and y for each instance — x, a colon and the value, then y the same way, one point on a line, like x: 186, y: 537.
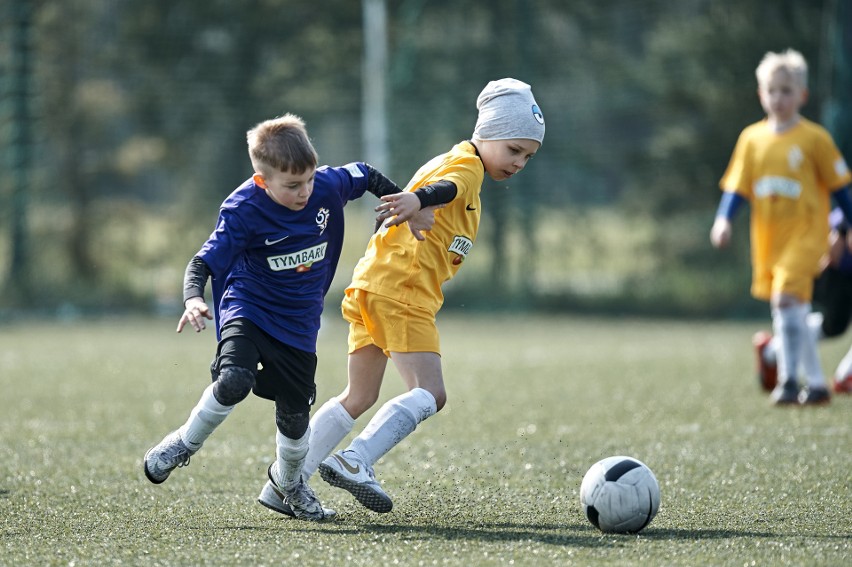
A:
x: 440, y: 398
x: 356, y: 403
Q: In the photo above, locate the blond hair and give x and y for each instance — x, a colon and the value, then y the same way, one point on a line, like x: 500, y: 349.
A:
x: 281, y: 144
x: 790, y: 61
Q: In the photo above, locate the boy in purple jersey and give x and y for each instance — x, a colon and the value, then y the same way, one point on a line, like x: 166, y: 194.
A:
x: 271, y: 257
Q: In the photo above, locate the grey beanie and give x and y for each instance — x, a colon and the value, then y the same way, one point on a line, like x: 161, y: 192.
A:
x: 508, y: 111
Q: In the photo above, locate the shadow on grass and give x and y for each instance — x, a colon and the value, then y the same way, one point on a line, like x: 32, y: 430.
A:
x: 556, y: 534
x: 568, y: 534
x: 674, y: 534
x: 552, y: 535
x: 576, y: 535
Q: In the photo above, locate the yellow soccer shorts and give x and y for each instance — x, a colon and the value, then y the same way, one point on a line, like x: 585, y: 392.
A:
x: 390, y: 325
x: 795, y: 280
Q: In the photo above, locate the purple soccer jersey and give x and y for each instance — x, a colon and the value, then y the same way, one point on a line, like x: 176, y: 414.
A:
x: 273, y: 265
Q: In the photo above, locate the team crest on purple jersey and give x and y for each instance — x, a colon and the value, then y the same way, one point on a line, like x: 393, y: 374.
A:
x: 322, y: 219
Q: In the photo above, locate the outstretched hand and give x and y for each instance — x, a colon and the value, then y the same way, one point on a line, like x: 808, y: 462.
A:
x: 401, y: 207
x: 720, y: 234
x: 196, y: 310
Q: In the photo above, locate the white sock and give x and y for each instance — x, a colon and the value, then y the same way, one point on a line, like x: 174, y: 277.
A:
x: 770, y: 353
x: 394, y: 421
x: 204, y: 418
x: 329, y: 425
x: 810, y: 350
x: 788, y: 323
x: 290, y: 454
x: 844, y: 369
x: 814, y: 321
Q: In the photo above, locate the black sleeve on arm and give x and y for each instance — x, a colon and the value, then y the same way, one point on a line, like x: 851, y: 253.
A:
x: 195, y: 278
x: 436, y: 193
x: 378, y: 184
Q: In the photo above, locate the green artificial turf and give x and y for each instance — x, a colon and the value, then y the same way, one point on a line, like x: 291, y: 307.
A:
x: 493, y: 479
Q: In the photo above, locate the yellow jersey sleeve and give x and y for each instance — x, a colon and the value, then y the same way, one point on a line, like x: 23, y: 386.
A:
x: 738, y: 175
x: 830, y: 165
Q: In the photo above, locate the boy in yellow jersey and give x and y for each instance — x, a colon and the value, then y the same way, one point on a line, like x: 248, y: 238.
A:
x: 395, y: 293
x: 787, y: 168
x: 833, y: 301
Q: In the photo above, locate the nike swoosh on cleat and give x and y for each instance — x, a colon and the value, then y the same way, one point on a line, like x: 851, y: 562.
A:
x: 271, y: 242
x: 277, y: 492
x: 354, y: 470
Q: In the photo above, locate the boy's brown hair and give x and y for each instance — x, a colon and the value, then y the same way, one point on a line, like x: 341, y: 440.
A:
x: 281, y: 144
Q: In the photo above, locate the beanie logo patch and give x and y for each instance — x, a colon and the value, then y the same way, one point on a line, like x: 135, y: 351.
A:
x: 539, y: 117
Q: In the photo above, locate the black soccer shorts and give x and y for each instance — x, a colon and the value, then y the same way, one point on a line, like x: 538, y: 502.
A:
x: 283, y: 372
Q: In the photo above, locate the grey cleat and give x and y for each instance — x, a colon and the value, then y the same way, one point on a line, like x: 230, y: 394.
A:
x: 301, y: 501
x: 346, y: 470
x: 165, y: 457
x: 273, y: 499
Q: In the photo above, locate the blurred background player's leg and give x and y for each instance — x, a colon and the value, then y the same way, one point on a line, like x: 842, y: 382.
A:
x: 788, y: 323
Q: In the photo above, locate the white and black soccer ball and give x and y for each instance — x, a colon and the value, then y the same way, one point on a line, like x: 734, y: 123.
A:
x: 620, y: 495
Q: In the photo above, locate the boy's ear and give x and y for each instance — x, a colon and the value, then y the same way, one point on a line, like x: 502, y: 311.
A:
x: 259, y: 181
x: 805, y: 93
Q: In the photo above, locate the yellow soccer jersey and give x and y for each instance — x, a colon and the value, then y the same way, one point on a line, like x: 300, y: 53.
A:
x: 398, y: 266
x: 787, y: 178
